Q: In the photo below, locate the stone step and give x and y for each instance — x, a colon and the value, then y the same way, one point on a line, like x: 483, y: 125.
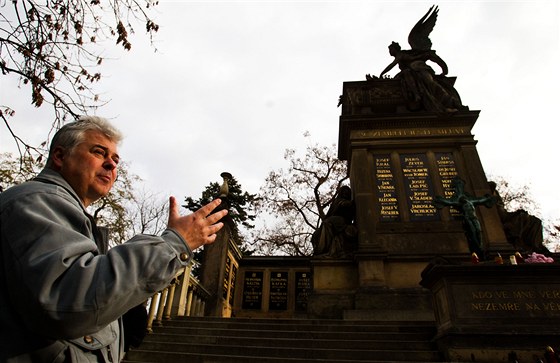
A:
x: 219, y: 340
x: 303, y: 334
x: 302, y: 321
x: 167, y: 357
x: 305, y: 325
x: 340, y: 343
x: 302, y: 353
x: 169, y: 352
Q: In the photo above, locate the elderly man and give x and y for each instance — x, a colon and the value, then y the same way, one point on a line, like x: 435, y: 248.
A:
x: 61, y: 294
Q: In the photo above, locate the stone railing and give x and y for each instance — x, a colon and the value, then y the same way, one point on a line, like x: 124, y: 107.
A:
x: 185, y: 296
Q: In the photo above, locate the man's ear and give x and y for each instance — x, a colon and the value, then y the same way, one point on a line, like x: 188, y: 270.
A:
x: 58, y: 155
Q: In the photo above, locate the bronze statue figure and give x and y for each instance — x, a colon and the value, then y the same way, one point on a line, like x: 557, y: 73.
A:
x: 466, y: 204
x: 422, y: 88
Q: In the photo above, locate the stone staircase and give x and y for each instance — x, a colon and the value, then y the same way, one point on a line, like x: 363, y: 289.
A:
x: 237, y: 340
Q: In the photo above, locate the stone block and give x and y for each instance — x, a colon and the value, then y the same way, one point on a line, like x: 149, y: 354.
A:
x: 488, y: 311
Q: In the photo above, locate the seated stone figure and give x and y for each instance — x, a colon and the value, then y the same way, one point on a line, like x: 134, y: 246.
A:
x: 522, y: 229
x: 336, y: 235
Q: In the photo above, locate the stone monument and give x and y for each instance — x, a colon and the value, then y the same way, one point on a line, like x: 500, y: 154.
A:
x: 411, y: 154
x: 405, y: 139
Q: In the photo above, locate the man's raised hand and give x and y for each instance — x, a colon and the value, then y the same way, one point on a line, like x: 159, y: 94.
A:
x: 198, y: 228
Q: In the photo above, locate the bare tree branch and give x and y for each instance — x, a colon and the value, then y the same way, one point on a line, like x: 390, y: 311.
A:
x: 55, y: 48
x: 296, y: 199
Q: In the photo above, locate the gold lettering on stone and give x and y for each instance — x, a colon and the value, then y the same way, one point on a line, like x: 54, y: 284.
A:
x: 415, y: 132
x: 418, y: 187
x: 447, y: 171
x: 386, y: 191
x: 523, y: 300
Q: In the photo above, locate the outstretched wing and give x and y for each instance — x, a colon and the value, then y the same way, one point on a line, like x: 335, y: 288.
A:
x: 419, y: 35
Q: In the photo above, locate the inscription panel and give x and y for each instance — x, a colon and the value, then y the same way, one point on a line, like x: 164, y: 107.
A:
x: 278, y: 299
x: 418, y: 187
x: 447, y: 170
x: 252, y: 290
x: 225, y: 287
x: 232, y: 284
x: 386, y: 191
x: 520, y: 301
x: 426, y: 132
x: 303, y: 288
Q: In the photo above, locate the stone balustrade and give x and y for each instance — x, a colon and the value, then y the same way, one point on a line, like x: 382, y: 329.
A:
x: 185, y: 296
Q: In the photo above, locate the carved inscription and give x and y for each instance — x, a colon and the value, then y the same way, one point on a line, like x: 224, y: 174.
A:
x: 252, y: 290
x: 418, y: 187
x: 278, y: 291
x: 232, y: 284
x: 447, y: 171
x: 415, y: 132
x: 386, y: 192
x: 519, y: 301
x: 303, y: 288
x: 227, y: 271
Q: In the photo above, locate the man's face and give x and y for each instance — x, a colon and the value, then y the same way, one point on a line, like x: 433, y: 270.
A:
x: 90, y: 168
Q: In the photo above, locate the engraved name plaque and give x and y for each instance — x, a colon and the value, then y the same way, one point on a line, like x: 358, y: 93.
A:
x: 252, y: 290
x: 386, y: 191
x: 418, y: 187
x: 303, y: 288
x: 278, y: 291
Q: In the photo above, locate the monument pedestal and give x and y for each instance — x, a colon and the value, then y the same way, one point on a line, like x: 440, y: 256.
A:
x: 487, y: 312
x: 389, y: 290
x: 334, y: 284
x: 398, y: 162
x: 391, y: 304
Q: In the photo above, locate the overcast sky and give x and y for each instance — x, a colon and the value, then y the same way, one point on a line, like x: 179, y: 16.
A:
x: 234, y: 83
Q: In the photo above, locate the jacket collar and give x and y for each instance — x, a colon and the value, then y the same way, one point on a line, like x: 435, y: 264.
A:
x: 51, y: 176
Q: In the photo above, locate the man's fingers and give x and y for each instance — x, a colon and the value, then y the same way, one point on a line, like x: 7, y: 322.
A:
x: 208, y: 208
x: 214, y: 228
x: 173, y: 211
x: 213, y: 218
x: 205, y: 211
x: 210, y: 239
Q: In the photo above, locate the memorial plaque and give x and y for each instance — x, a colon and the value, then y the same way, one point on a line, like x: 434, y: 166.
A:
x: 278, y: 291
x: 232, y: 284
x: 447, y: 171
x: 418, y: 187
x: 495, y: 295
x: 519, y: 301
x: 386, y: 191
x: 252, y: 290
x: 511, y: 305
x: 303, y: 288
x: 226, y: 278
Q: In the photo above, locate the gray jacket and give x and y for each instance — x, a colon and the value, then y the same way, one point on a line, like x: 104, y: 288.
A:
x: 60, y: 297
